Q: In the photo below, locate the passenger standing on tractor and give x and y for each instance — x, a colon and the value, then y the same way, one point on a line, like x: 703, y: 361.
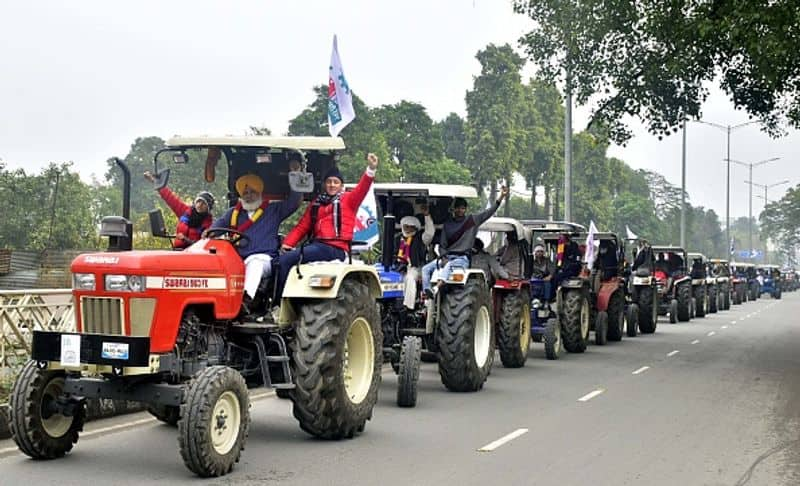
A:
x: 258, y: 218
x: 458, y: 236
x: 411, y: 253
x: 192, y: 220
x: 328, y: 222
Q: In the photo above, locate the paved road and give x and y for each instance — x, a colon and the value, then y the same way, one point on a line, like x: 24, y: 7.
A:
x: 718, y: 404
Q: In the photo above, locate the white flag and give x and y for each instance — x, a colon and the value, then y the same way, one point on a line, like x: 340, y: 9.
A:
x: 366, y: 227
x: 591, y: 245
x: 340, y: 98
x: 631, y: 234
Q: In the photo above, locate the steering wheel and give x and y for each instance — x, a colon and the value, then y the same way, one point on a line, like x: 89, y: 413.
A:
x: 230, y: 234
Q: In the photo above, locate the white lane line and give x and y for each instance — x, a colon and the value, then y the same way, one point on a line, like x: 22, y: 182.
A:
x: 502, y: 440
x: 641, y: 370
x: 724, y: 327
x: 591, y: 395
x: 696, y: 341
x: 711, y: 333
x: 733, y: 322
x: 673, y: 353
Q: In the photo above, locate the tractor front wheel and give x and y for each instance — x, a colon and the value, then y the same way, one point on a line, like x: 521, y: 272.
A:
x: 514, y: 330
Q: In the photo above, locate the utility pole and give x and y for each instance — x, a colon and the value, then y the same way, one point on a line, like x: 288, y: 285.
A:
x: 568, y: 151
x: 683, y: 190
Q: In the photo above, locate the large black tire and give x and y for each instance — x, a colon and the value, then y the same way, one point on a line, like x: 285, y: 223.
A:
x: 37, y: 431
x: 553, y: 345
x: 726, y: 299
x: 753, y: 290
x: 673, y: 311
x: 777, y: 294
x: 575, y: 320
x: 616, y: 316
x: 514, y: 329
x: 713, y: 300
x: 169, y: 414
x: 215, y: 420
x: 648, y: 310
x: 632, y: 320
x: 466, y: 341
x: 326, y: 403
x: 601, y: 328
x: 684, y: 301
x: 737, y: 296
x: 700, y: 301
x: 408, y: 375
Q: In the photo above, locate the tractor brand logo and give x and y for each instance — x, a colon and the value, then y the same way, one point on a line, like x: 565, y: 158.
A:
x: 237, y: 283
x: 108, y: 260
x: 185, y: 283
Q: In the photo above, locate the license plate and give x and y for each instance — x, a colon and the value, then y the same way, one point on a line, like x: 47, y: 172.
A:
x: 544, y: 314
x: 114, y: 350
x: 70, y: 350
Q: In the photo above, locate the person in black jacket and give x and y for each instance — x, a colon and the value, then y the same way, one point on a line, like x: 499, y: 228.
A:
x: 411, y: 254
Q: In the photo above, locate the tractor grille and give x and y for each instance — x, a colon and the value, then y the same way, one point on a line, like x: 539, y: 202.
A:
x: 102, y: 315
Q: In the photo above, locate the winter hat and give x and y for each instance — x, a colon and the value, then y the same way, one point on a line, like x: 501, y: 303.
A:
x: 207, y: 198
x: 538, y: 248
x: 249, y: 180
x: 410, y: 221
x: 333, y: 172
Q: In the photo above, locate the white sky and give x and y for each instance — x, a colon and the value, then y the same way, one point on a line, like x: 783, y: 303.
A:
x: 81, y: 80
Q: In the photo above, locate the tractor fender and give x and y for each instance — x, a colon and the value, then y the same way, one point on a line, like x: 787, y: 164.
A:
x: 307, y: 284
x: 607, y: 289
x: 681, y: 280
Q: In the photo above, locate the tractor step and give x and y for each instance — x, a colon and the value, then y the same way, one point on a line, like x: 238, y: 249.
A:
x: 283, y: 386
x: 414, y: 331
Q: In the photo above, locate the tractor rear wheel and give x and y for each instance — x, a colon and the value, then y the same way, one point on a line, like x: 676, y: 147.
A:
x: 214, y: 423
x: 553, y: 346
x: 616, y: 316
x: 601, y: 328
x: 337, y: 355
x: 38, y: 428
x: 575, y: 320
x: 514, y: 329
x: 408, y: 374
x: 713, y: 300
x: 648, y: 310
x: 465, y: 339
x: 700, y: 306
x: 673, y: 311
x: 684, y: 301
x: 632, y: 320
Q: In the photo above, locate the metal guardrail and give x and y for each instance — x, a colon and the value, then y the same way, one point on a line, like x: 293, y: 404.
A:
x: 24, y: 311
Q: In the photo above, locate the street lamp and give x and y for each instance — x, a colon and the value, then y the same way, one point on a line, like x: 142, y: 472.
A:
x: 750, y: 165
x: 728, y: 129
x: 766, y: 187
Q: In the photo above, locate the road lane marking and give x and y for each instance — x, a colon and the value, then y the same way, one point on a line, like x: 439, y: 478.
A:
x: 724, y: 327
x: 590, y: 395
x: 641, y: 370
x: 502, y: 440
x: 711, y: 333
x: 733, y: 322
x: 696, y: 341
x: 673, y: 353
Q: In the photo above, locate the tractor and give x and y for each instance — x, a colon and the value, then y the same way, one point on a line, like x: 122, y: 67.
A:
x: 674, y: 283
x: 643, y: 289
x: 607, y: 289
x: 168, y: 329
x: 702, y: 292
x: 721, y: 271
x: 740, y: 283
x: 560, y: 312
x: 771, y: 281
x: 455, y: 327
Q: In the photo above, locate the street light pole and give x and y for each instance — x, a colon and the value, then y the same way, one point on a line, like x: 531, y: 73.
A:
x: 766, y: 201
x: 750, y: 165
x: 568, y: 152
x: 683, y: 189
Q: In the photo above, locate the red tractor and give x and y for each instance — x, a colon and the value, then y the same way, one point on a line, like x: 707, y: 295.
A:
x: 607, y: 286
x: 166, y: 328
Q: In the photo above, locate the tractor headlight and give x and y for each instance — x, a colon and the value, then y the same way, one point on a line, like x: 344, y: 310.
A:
x: 321, y: 281
x: 83, y: 281
x: 124, y: 283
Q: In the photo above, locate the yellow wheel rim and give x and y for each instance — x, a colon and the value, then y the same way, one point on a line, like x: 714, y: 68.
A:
x: 225, y: 422
x: 359, y: 360
x: 525, y: 329
x: 56, y: 425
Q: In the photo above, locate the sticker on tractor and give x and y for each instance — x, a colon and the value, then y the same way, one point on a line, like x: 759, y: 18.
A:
x: 114, y: 350
x: 186, y: 283
x: 70, y: 350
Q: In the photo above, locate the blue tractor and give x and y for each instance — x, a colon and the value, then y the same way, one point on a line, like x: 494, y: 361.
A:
x: 771, y: 281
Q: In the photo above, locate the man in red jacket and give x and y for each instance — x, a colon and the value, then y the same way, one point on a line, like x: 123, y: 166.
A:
x: 328, y: 222
x: 192, y: 220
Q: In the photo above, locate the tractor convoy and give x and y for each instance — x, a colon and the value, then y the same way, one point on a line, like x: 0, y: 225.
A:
x: 178, y: 332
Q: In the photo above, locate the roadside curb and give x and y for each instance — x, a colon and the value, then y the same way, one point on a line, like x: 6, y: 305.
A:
x: 95, y: 409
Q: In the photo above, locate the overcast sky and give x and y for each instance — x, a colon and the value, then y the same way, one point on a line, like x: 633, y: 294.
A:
x: 81, y: 80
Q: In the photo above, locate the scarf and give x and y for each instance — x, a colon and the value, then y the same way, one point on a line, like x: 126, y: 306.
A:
x: 193, y: 219
x: 247, y: 224
x: 404, y: 252
x: 562, y: 241
x: 324, y: 199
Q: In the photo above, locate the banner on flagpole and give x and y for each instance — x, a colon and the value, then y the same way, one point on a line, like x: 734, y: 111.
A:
x: 340, y: 97
x: 366, y: 226
x: 591, y: 245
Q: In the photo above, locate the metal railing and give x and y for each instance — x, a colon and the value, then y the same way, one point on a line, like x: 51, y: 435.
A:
x: 24, y: 311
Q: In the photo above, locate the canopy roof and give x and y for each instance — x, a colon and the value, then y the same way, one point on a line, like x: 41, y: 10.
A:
x: 293, y: 143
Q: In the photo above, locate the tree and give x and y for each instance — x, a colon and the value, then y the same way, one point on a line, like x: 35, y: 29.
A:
x: 452, y: 130
x: 780, y: 221
x: 653, y: 60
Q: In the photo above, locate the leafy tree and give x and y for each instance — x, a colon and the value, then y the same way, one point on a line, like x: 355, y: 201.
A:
x: 780, y: 221
x: 653, y: 59
x: 452, y: 130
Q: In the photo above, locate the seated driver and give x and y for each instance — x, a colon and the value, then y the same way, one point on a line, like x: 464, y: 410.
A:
x: 258, y: 219
x: 411, y: 252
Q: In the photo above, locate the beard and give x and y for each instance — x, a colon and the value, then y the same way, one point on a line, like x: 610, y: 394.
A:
x: 250, y: 206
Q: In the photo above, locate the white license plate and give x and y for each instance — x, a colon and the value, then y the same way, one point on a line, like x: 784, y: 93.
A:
x: 544, y: 314
x: 114, y: 351
x: 70, y: 350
